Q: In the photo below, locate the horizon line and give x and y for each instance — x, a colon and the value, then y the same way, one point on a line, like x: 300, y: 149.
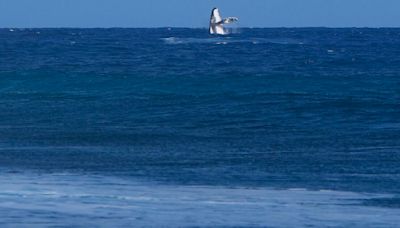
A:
x: 178, y: 27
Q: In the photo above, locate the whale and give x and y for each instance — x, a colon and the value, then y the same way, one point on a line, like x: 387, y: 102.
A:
x: 217, y: 22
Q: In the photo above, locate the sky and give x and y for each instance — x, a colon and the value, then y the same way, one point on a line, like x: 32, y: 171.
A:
x: 196, y: 13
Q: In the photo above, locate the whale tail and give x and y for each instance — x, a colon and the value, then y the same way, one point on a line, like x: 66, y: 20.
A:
x: 217, y: 22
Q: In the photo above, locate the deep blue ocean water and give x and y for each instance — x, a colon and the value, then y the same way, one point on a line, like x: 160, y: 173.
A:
x: 309, y: 116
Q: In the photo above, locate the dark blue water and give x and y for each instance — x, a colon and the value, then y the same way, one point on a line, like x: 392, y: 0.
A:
x: 262, y: 108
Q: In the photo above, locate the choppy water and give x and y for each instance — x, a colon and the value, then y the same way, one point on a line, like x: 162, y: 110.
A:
x: 184, y: 119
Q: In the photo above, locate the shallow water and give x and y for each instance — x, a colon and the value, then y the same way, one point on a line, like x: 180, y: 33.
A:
x: 265, y: 109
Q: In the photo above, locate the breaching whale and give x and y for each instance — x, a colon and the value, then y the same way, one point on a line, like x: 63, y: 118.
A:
x: 217, y: 23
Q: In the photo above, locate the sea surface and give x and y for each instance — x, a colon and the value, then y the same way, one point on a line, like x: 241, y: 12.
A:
x: 174, y: 127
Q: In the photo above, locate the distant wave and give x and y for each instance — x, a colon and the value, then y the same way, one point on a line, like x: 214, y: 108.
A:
x: 227, y: 40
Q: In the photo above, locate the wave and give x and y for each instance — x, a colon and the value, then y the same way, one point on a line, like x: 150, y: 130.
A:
x: 228, y: 40
x: 87, y: 200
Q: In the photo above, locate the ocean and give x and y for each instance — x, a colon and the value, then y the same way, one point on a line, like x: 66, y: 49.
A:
x: 173, y: 127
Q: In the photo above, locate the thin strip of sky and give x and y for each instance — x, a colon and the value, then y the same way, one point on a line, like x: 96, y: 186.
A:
x: 195, y: 13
